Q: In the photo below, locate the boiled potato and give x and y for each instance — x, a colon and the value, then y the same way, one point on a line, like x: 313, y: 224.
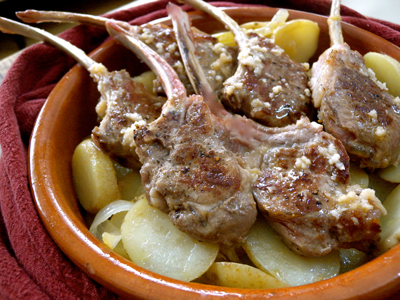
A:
x: 299, y: 39
x: 386, y: 70
x: 147, y: 78
x: 266, y: 28
x: 129, y: 182
x: 111, y: 239
x: 358, y: 176
x: 263, y: 28
x: 268, y: 252
x: 390, y: 223
x: 256, y: 25
x: 94, y: 177
x: 226, y: 37
x: 381, y: 186
x: 114, y: 242
x: 391, y: 174
x: 236, y: 275
x: 351, y: 259
x: 154, y: 243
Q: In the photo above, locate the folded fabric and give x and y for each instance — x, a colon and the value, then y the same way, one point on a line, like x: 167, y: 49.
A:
x: 31, y: 264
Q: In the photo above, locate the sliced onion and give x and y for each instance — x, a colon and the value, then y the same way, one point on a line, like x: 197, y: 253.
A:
x: 107, y: 212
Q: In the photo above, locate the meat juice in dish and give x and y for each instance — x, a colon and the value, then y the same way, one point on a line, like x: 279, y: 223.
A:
x: 298, y: 160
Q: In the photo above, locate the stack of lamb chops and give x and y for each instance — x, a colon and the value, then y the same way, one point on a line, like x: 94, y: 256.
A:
x: 277, y: 165
x: 115, y: 135
x: 183, y: 129
x: 301, y: 183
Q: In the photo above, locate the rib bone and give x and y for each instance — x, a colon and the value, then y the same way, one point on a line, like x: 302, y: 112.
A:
x: 187, y: 171
x: 123, y: 105
x: 161, y: 39
x: 40, y: 16
x: 267, y: 86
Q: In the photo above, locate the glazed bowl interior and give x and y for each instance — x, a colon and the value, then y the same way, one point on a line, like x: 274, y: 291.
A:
x: 69, y: 116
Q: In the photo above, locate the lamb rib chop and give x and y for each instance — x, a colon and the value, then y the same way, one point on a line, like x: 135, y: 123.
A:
x: 267, y: 86
x: 124, y: 103
x: 218, y: 61
x: 353, y: 106
x: 301, y: 174
x: 187, y: 171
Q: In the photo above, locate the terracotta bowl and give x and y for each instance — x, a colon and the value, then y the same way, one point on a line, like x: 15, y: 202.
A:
x: 69, y: 115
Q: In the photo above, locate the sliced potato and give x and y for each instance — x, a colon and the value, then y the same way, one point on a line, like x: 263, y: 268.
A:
x: 268, y: 252
x: 266, y: 29
x: 236, y: 275
x: 381, y: 186
x: 119, y: 249
x: 129, y: 182
x: 299, y: 39
x: 351, y: 259
x: 114, y: 242
x: 154, y: 243
x: 111, y: 240
x: 147, y: 78
x: 263, y: 28
x: 255, y: 25
x: 226, y: 37
x: 358, y: 176
x: 386, y: 70
x: 391, y: 174
x: 94, y: 177
x: 390, y: 223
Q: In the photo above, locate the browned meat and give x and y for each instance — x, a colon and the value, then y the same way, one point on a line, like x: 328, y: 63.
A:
x: 353, y: 106
x: 193, y: 177
x: 219, y: 61
x: 303, y: 191
x: 267, y: 86
x: 187, y: 171
x: 301, y: 173
x: 124, y: 105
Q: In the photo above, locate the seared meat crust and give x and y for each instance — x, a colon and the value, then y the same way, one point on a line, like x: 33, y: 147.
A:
x: 188, y: 173
x: 303, y: 191
x: 130, y: 105
x: 124, y: 105
x: 268, y: 86
x: 197, y: 169
x: 355, y: 109
x: 218, y: 61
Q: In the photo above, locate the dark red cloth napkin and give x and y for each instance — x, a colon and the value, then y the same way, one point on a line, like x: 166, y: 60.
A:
x: 31, y: 264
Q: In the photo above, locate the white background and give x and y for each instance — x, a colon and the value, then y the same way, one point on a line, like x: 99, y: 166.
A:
x: 388, y: 10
